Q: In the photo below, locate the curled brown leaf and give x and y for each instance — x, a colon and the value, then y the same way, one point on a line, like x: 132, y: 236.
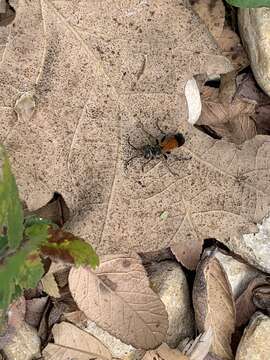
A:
x: 214, y: 305
x: 118, y: 298
x: 245, y: 304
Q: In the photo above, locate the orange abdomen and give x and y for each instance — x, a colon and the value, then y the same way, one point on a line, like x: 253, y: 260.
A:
x: 172, y: 141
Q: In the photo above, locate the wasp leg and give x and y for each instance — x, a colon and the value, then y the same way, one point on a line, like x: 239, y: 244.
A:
x: 181, y: 157
x: 143, y: 166
x: 166, y: 163
x: 130, y: 160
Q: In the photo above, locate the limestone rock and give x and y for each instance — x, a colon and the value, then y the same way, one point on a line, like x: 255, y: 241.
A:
x: 255, y: 343
x: 117, y: 348
x: 238, y: 273
x: 169, y: 281
x: 254, y: 25
x: 254, y: 248
x: 25, y: 345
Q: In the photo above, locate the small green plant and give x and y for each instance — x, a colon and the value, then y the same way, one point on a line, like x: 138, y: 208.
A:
x: 23, y: 242
x: 249, y: 3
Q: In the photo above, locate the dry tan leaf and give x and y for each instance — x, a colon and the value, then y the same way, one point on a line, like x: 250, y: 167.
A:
x: 56, y: 210
x: 57, y: 352
x: 232, y: 48
x: 214, y: 305
x: 50, y: 286
x: 7, y: 15
x: 229, y: 116
x: 201, y: 345
x: 163, y: 352
x: 212, y: 12
x: 249, y: 90
x: 97, y: 72
x: 245, y: 306
x: 71, y: 342
x: 117, y: 297
x: 261, y: 297
x: 76, y: 317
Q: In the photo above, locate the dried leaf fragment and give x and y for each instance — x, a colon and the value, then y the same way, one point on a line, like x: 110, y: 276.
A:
x: 118, y: 298
x: 214, y: 305
x: 71, y: 342
x: 50, y: 286
x: 34, y: 310
x: 163, y: 352
x: 201, y: 345
x: 245, y: 305
x: 229, y: 116
x: 212, y: 12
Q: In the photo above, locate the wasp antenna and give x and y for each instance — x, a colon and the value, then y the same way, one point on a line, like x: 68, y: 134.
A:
x: 159, y: 128
x: 147, y: 133
x: 131, y: 145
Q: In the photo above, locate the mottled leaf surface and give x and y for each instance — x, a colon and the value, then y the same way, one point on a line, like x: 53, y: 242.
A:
x: 118, y: 298
x: 71, y: 342
x: 86, y: 75
x: 64, y: 246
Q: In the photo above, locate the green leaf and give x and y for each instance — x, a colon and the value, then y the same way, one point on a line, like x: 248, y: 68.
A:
x: 3, y: 244
x: 82, y: 253
x: 9, y: 272
x: 249, y: 3
x: 34, y: 219
x: 31, y: 273
x: 22, y: 269
x: 11, y: 214
x: 37, y: 233
x: 68, y: 248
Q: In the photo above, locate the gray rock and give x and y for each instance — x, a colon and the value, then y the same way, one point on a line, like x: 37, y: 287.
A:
x: 25, y: 344
x: 169, y: 281
x: 117, y: 348
x: 238, y: 273
x: 254, y: 248
x: 255, y: 342
x: 254, y: 25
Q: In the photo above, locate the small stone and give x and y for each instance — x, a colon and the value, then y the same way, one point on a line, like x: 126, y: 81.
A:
x: 193, y: 98
x: 25, y: 106
x: 254, y: 248
x: 168, y: 280
x: 238, y: 273
x: 117, y: 348
x: 25, y: 345
x: 255, y: 342
x: 254, y: 26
